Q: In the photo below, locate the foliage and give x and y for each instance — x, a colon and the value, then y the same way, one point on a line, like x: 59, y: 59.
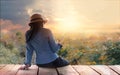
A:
x: 8, y: 56
x: 77, y: 48
x: 113, y: 52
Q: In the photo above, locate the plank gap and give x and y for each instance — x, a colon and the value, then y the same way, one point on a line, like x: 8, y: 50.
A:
x: 95, y: 70
x: 103, y: 69
x: 57, y: 71
x: 76, y: 70
x: 85, y: 70
x: 38, y: 71
x: 113, y: 69
x: 67, y: 70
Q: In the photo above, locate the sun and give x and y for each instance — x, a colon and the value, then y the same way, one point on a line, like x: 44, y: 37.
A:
x: 68, y: 24
x: 67, y: 19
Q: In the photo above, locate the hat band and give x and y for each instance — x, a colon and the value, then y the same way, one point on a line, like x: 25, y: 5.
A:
x: 37, y: 19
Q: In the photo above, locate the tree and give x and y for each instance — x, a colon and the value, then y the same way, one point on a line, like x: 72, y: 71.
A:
x: 113, y: 53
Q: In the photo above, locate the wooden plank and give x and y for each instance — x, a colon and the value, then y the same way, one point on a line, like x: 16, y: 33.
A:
x: 103, y: 70
x: 67, y: 70
x: 5, y: 70
x: 118, y: 66
x: 13, y: 70
x: 115, y: 68
x: 47, y: 71
x: 31, y: 71
x: 2, y: 65
x: 85, y: 70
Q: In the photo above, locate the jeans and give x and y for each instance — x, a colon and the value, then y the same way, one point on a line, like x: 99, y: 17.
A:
x: 59, y: 62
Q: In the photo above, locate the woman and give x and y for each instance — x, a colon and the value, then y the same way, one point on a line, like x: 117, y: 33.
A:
x: 41, y: 41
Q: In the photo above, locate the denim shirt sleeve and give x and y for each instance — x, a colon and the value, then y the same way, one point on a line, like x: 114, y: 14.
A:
x: 29, y: 53
x: 53, y: 45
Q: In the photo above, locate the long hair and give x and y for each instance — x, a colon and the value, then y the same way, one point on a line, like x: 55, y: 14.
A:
x: 34, y: 28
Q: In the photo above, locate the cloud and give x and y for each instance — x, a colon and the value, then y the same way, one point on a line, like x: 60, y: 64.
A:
x: 7, y: 26
x: 90, y: 14
x: 29, y: 11
x: 14, y: 10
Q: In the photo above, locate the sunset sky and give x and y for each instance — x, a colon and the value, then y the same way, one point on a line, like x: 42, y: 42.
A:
x: 66, y: 15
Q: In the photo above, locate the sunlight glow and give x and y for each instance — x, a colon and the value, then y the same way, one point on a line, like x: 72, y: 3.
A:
x: 68, y: 20
x: 68, y: 24
x: 90, y: 16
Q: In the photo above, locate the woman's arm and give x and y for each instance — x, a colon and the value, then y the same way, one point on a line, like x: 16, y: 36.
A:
x: 53, y: 45
x: 28, y: 58
x: 28, y: 55
x: 29, y: 51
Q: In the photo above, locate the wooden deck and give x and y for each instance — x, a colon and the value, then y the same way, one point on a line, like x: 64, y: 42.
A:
x: 68, y: 70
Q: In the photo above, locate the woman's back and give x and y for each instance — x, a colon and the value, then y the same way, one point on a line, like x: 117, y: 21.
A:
x: 41, y: 41
x: 44, y: 45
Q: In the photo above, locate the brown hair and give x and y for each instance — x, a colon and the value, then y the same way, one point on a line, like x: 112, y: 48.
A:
x: 34, y: 28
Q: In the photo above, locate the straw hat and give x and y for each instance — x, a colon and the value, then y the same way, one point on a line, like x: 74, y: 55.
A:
x: 37, y: 18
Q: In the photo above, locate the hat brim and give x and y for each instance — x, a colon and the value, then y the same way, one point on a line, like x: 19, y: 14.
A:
x: 39, y: 21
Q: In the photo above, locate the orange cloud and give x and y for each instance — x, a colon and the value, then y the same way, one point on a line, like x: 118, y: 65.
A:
x: 8, y: 26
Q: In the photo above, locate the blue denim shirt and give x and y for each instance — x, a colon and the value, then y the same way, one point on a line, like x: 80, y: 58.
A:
x: 44, y: 46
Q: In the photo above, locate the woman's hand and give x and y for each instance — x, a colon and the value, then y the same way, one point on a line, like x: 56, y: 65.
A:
x: 60, y: 45
x: 24, y: 67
